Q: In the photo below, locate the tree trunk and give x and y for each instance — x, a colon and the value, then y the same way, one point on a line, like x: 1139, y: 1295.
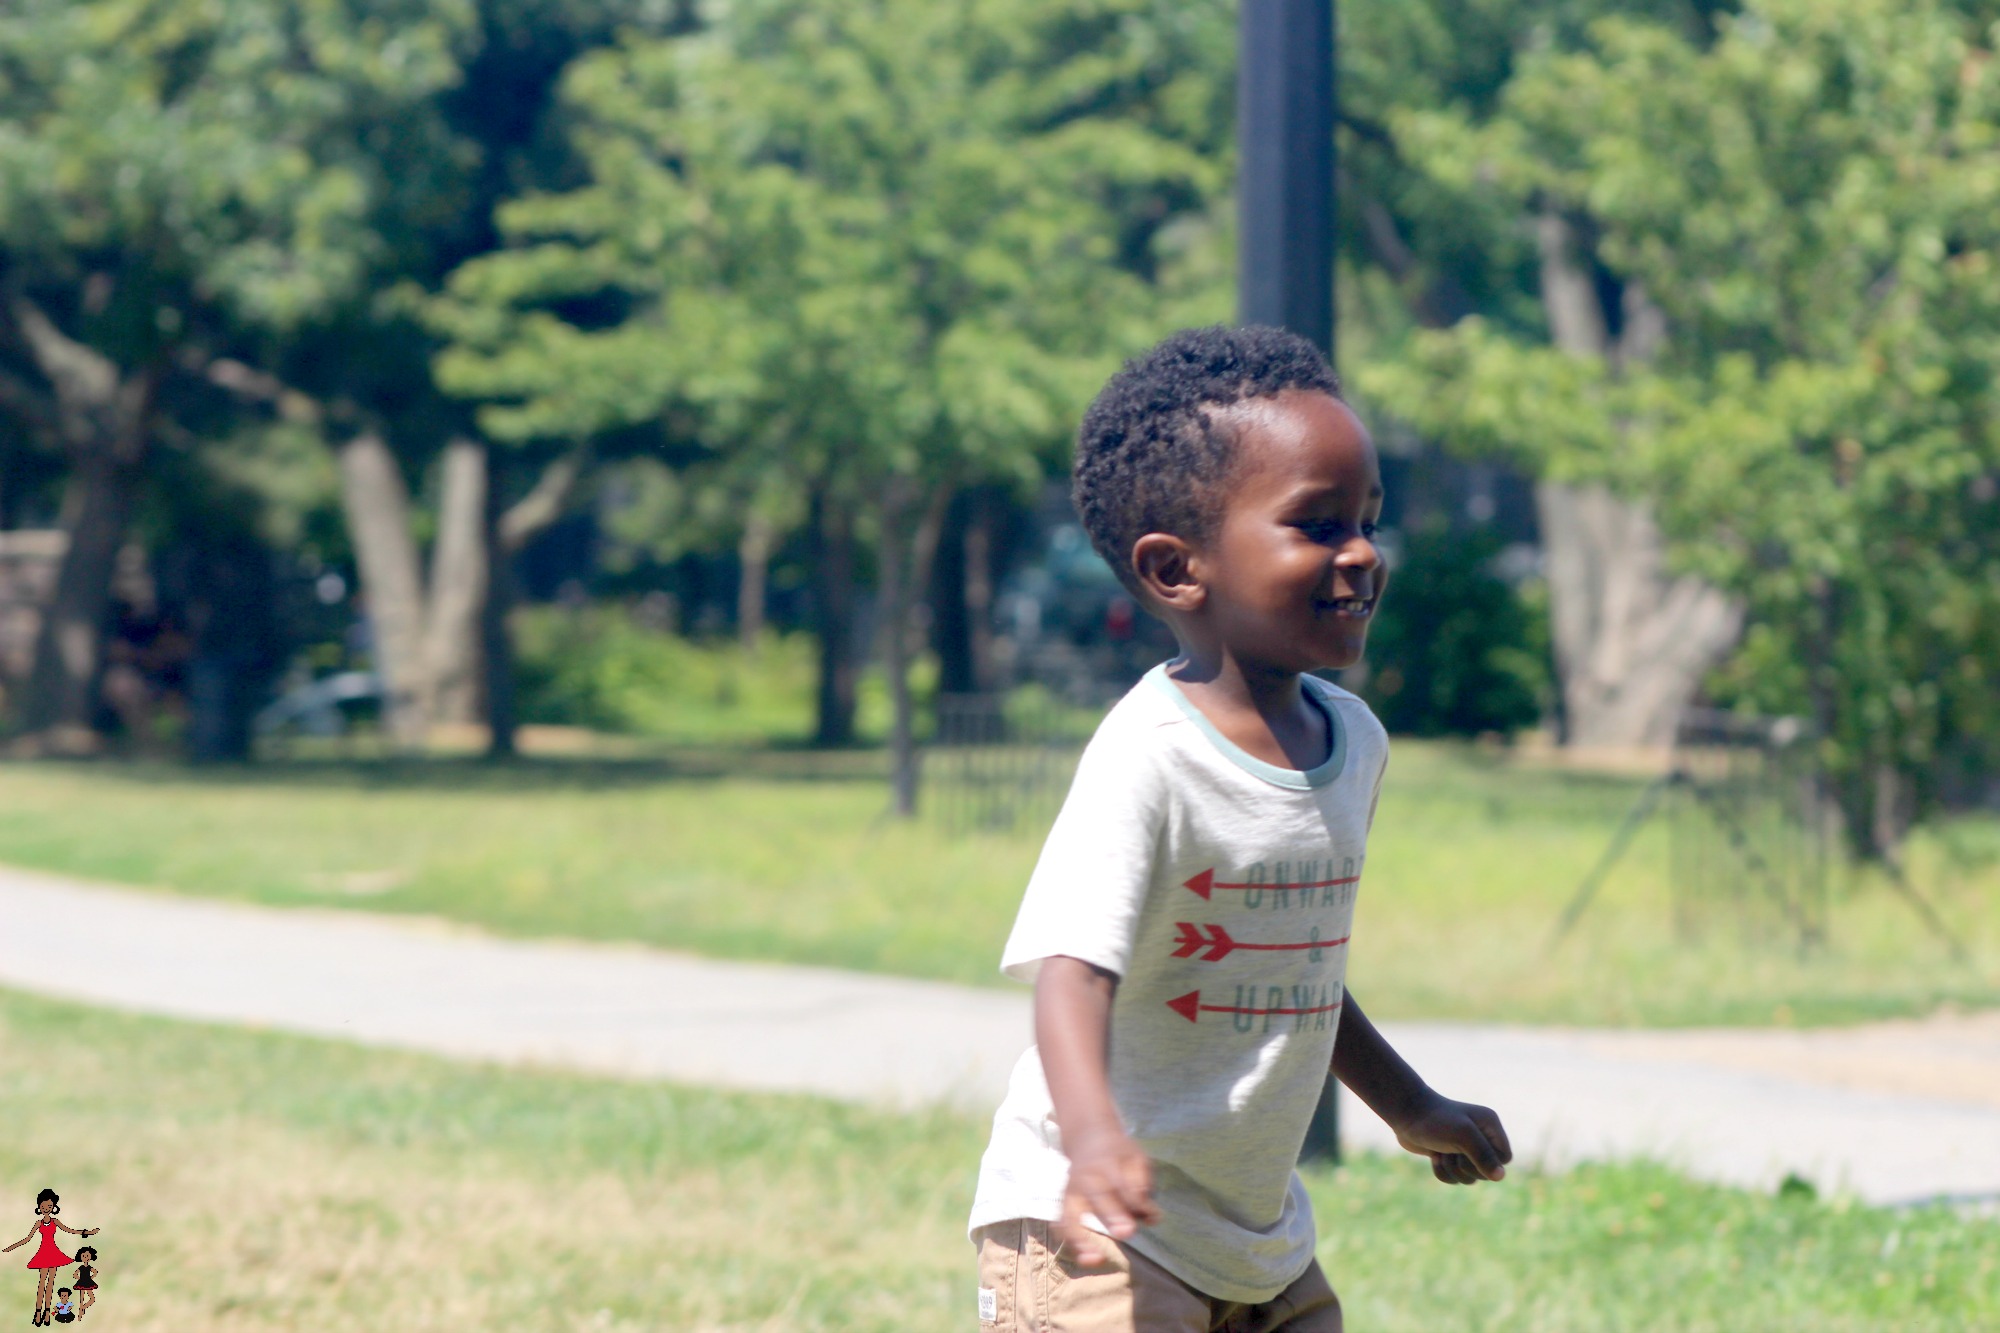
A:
x: 1892, y: 811
x: 58, y: 701
x: 833, y: 614
x: 497, y: 662
x: 906, y: 564
x: 510, y: 529
x: 453, y: 641
x: 978, y: 544
x: 496, y: 658
x: 753, y: 559
x: 1632, y: 642
x: 106, y: 422
x: 894, y: 588
x: 377, y: 507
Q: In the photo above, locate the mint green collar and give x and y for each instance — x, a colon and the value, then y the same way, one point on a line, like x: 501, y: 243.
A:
x: 1297, y: 780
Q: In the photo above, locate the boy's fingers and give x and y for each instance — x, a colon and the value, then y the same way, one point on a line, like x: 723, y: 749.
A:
x: 1112, y: 1201
x: 1479, y: 1147
x: 1139, y: 1191
x: 1110, y: 1210
x: 1458, y: 1169
x: 1496, y: 1133
x: 1084, y: 1245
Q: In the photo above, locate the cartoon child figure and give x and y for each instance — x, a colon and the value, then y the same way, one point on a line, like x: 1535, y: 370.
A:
x: 86, y: 1279
x: 64, y: 1314
x: 49, y: 1257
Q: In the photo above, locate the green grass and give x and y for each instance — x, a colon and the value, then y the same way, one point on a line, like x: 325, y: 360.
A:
x: 802, y: 868
x: 1475, y: 854
x: 790, y: 856
x: 251, y: 1181
x: 1639, y: 1248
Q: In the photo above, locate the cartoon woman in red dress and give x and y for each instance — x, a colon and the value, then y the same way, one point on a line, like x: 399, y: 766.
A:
x: 48, y: 1258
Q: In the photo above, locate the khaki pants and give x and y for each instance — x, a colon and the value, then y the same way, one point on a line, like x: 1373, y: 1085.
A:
x: 1027, y: 1287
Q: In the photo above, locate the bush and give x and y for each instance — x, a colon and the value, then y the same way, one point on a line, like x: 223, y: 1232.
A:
x: 1457, y: 650
x: 597, y: 667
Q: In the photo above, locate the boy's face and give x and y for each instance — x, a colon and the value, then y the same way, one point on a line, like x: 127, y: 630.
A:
x: 1291, y: 576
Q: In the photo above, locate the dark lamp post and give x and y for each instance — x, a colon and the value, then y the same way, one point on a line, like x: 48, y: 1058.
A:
x: 1284, y: 144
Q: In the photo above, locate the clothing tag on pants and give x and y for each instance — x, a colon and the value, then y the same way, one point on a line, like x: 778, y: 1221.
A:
x: 989, y: 1305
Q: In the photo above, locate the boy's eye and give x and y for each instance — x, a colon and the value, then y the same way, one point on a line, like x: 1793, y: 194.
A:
x: 1322, y: 530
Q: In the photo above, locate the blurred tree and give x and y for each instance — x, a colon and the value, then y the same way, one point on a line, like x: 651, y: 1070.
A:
x: 1810, y: 206
x: 228, y: 199
x: 879, y: 249
x: 173, y: 177
x: 1433, y: 246
x: 440, y: 635
x: 1457, y: 650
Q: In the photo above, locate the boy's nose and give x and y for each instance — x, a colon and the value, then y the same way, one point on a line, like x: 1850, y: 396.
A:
x: 1359, y: 554
x: 1359, y: 564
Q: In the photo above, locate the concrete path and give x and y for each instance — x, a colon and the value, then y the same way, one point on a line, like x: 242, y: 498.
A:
x: 1892, y: 1112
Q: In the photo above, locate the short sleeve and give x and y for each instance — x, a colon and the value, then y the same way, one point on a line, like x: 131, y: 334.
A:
x: 1084, y: 899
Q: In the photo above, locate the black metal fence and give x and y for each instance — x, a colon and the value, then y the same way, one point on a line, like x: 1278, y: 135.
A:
x: 1749, y: 829
x: 1002, y: 762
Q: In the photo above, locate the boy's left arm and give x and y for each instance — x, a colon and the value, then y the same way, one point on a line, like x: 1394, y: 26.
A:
x: 1464, y: 1142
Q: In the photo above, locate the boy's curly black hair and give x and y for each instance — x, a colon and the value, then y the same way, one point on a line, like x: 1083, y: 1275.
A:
x: 1150, y: 456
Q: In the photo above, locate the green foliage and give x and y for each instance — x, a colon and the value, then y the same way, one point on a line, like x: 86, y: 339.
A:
x: 1456, y: 649
x: 205, y: 153
x: 1419, y: 248
x: 847, y: 241
x: 1813, y: 202
x: 603, y: 668
x: 598, y: 667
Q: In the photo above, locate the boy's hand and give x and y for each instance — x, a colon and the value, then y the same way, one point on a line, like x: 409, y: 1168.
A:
x: 1464, y: 1142
x: 1112, y: 1179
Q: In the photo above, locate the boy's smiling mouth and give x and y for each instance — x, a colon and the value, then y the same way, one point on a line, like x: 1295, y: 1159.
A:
x: 1358, y: 607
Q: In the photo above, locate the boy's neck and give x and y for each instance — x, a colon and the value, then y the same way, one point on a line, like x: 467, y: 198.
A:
x: 1260, y: 709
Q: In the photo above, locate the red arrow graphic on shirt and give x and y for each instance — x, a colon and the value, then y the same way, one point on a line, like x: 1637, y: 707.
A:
x: 1205, y: 883
x: 1220, y: 943
x: 1190, y: 1007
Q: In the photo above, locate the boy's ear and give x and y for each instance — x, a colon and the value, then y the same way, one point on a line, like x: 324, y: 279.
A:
x: 1166, y: 567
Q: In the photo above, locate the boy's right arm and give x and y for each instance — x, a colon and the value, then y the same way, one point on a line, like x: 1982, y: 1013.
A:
x: 1108, y: 1174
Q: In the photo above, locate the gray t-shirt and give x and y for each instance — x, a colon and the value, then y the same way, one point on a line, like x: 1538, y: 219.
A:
x: 1220, y: 889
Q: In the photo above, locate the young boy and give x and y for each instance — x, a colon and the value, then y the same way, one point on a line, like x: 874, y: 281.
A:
x: 1186, y: 927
